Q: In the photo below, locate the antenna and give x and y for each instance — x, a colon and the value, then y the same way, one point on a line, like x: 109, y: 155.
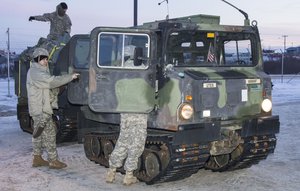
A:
x: 167, y: 17
x: 246, y: 21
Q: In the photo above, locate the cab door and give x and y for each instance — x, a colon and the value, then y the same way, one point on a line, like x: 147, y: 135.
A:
x: 122, y: 77
x: 79, y: 63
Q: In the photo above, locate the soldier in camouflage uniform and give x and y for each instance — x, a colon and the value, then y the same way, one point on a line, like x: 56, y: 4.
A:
x: 60, y: 29
x: 130, y: 145
x: 40, y: 104
x: 60, y: 23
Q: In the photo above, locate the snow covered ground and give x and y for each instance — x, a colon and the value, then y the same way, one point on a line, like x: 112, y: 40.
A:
x: 280, y: 171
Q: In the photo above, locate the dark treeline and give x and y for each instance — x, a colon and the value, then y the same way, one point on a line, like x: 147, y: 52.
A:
x: 291, y: 65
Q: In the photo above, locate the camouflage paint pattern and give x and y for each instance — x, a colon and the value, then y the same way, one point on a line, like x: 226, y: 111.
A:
x: 224, y: 101
x: 131, y: 142
x: 114, y: 91
x: 125, y: 91
x: 47, y: 139
x: 107, y: 84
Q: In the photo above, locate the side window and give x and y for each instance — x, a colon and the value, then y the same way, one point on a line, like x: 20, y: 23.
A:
x: 82, y: 54
x: 110, y: 50
x: 123, y: 50
x: 238, y: 52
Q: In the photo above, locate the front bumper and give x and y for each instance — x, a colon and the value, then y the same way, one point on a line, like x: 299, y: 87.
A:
x: 261, y: 126
x: 211, y: 131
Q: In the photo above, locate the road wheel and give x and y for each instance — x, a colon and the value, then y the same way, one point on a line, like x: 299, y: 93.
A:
x: 108, y: 148
x: 152, y: 165
x: 25, y: 123
x: 96, y: 147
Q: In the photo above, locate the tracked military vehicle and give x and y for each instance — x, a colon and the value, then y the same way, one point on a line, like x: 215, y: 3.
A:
x: 201, y: 83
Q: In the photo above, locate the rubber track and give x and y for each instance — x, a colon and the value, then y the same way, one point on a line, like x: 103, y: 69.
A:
x: 67, y: 131
x: 249, y: 156
x: 179, y: 170
x: 180, y: 165
x: 253, y: 152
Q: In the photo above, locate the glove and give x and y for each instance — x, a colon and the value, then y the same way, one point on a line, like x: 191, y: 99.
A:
x: 31, y: 18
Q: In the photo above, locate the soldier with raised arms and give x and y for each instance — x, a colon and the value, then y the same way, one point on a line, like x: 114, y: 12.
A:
x: 60, y: 23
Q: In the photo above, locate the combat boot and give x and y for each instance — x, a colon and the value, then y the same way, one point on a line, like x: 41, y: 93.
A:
x: 56, y: 164
x: 129, y: 178
x: 111, y: 175
x: 39, y: 161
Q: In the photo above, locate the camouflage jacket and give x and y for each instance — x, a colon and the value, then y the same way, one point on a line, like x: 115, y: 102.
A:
x: 38, y: 84
x: 58, y: 25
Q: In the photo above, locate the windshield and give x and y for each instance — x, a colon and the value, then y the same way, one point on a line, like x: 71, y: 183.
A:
x: 200, y: 48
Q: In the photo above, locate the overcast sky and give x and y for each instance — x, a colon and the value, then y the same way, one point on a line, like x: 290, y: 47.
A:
x: 275, y: 18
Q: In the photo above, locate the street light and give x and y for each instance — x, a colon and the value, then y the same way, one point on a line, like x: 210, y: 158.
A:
x: 8, y: 63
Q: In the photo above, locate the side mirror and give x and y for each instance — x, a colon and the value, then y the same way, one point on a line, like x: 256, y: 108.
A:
x: 138, y: 56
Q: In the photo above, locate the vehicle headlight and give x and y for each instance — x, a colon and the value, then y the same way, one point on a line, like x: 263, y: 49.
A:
x: 186, y: 111
x: 266, y: 105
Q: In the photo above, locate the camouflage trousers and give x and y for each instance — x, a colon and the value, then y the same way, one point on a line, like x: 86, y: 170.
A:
x: 47, y: 139
x: 131, y: 141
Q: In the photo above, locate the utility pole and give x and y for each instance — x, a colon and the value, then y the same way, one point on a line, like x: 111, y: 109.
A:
x: 283, y: 55
x: 135, y: 5
x: 8, y: 65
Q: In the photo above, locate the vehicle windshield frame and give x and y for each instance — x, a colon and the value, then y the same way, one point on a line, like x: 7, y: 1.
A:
x: 187, y: 48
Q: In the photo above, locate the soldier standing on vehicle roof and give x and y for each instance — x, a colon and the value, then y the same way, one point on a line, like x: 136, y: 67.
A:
x: 130, y: 145
x: 60, y: 23
x: 39, y: 83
